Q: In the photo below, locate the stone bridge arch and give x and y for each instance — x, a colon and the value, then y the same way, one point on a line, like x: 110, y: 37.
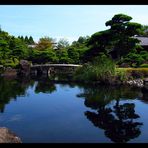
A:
x: 49, y: 69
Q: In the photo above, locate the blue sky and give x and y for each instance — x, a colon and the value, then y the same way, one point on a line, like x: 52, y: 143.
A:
x: 64, y: 21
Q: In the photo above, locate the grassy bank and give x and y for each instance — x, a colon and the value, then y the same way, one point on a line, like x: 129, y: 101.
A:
x: 131, y: 73
x: 104, y: 70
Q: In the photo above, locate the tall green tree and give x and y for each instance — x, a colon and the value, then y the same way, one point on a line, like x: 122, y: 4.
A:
x: 81, y: 42
x: 22, y: 38
x: 73, y: 54
x: 145, y: 31
x: 26, y: 39
x: 19, y: 49
x: 62, y: 43
x: 118, y: 39
x: 31, y: 41
x: 100, y: 42
x: 63, y: 56
x: 123, y: 31
x: 4, y: 45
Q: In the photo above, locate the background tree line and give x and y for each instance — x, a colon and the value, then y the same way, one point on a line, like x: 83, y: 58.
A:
x: 117, y: 43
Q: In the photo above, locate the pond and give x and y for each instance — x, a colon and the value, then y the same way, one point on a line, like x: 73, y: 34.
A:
x: 42, y: 111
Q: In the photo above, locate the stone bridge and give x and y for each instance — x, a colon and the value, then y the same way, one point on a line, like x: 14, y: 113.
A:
x: 48, y: 69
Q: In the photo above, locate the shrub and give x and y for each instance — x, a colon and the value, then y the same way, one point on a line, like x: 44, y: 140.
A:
x: 120, y: 73
x: 135, y: 59
x: 137, y: 72
x: 131, y: 73
x: 13, y: 63
x: 101, y: 69
x: 144, y: 65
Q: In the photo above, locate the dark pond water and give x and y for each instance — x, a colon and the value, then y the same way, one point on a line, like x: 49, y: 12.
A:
x: 46, y: 112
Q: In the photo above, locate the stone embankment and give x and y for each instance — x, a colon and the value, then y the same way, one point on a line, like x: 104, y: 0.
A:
x: 143, y: 83
x: 136, y: 82
x: 9, y: 72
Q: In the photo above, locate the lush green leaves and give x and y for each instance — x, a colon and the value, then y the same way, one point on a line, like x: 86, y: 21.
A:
x: 101, y: 69
x: 118, y: 40
x: 62, y: 43
x: 118, y: 18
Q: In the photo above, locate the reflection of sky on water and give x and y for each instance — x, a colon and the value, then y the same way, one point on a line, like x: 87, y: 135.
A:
x: 15, y: 118
x: 49, y: 112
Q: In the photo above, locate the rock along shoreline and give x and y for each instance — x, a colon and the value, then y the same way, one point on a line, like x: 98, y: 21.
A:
x: 7, y: 136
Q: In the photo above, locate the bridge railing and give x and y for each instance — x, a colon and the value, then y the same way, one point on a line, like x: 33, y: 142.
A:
x: 56, y: 65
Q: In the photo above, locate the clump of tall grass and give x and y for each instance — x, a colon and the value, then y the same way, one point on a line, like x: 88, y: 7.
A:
x: 144, y: 65
x: 101, y: 69
x: 121, y: 74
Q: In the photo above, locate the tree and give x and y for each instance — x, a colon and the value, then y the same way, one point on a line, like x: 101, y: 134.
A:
x: 22, y: 38
x: 135, y: 58
x: 19, y: 49
x: 31, y: 41
x: 45, y: 42
x: 43, y: 56
x: 82, y: 39
x: 81, y: 42
x: 62, y: 56
x: 62, y: 43
x: 100, y: 42
x: 4, y: 45
x: 123, y: 31
x: 73, y: 54
x: 118, y: 40
x: 26, y: 39
x: 145, y: 30
x: 4, y: 49
x: 118, y: 120
x: 75, y: 44
x: 12, y: 49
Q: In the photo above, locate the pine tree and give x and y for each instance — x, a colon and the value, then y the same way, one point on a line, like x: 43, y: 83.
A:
x: 26, y: 40
x: 22, y: 38
x: 31, y: 41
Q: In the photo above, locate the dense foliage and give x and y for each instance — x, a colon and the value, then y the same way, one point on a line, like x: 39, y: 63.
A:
x: 116, y: 43
x: 118, y: 40
x: 101, y: 69
x: 27, y: 40
x: 12, y: 49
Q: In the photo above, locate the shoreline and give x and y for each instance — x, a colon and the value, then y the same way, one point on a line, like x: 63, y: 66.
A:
x: 24, y: 72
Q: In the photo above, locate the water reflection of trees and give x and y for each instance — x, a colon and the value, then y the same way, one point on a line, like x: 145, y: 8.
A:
x: 116, y: 117
x: 45, y: 86
x: 11, y: 89
x: 111, y: 113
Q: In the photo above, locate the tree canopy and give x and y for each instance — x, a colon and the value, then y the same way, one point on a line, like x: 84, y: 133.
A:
x: 118, y: 39
x: 118, y: 42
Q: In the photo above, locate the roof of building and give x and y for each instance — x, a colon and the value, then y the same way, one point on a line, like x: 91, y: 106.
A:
x: 33, y: 46
x: 144, y: 40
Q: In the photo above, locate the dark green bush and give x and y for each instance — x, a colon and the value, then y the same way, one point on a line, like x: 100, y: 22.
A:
x: 101, y: 69
x: 144, y: 65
